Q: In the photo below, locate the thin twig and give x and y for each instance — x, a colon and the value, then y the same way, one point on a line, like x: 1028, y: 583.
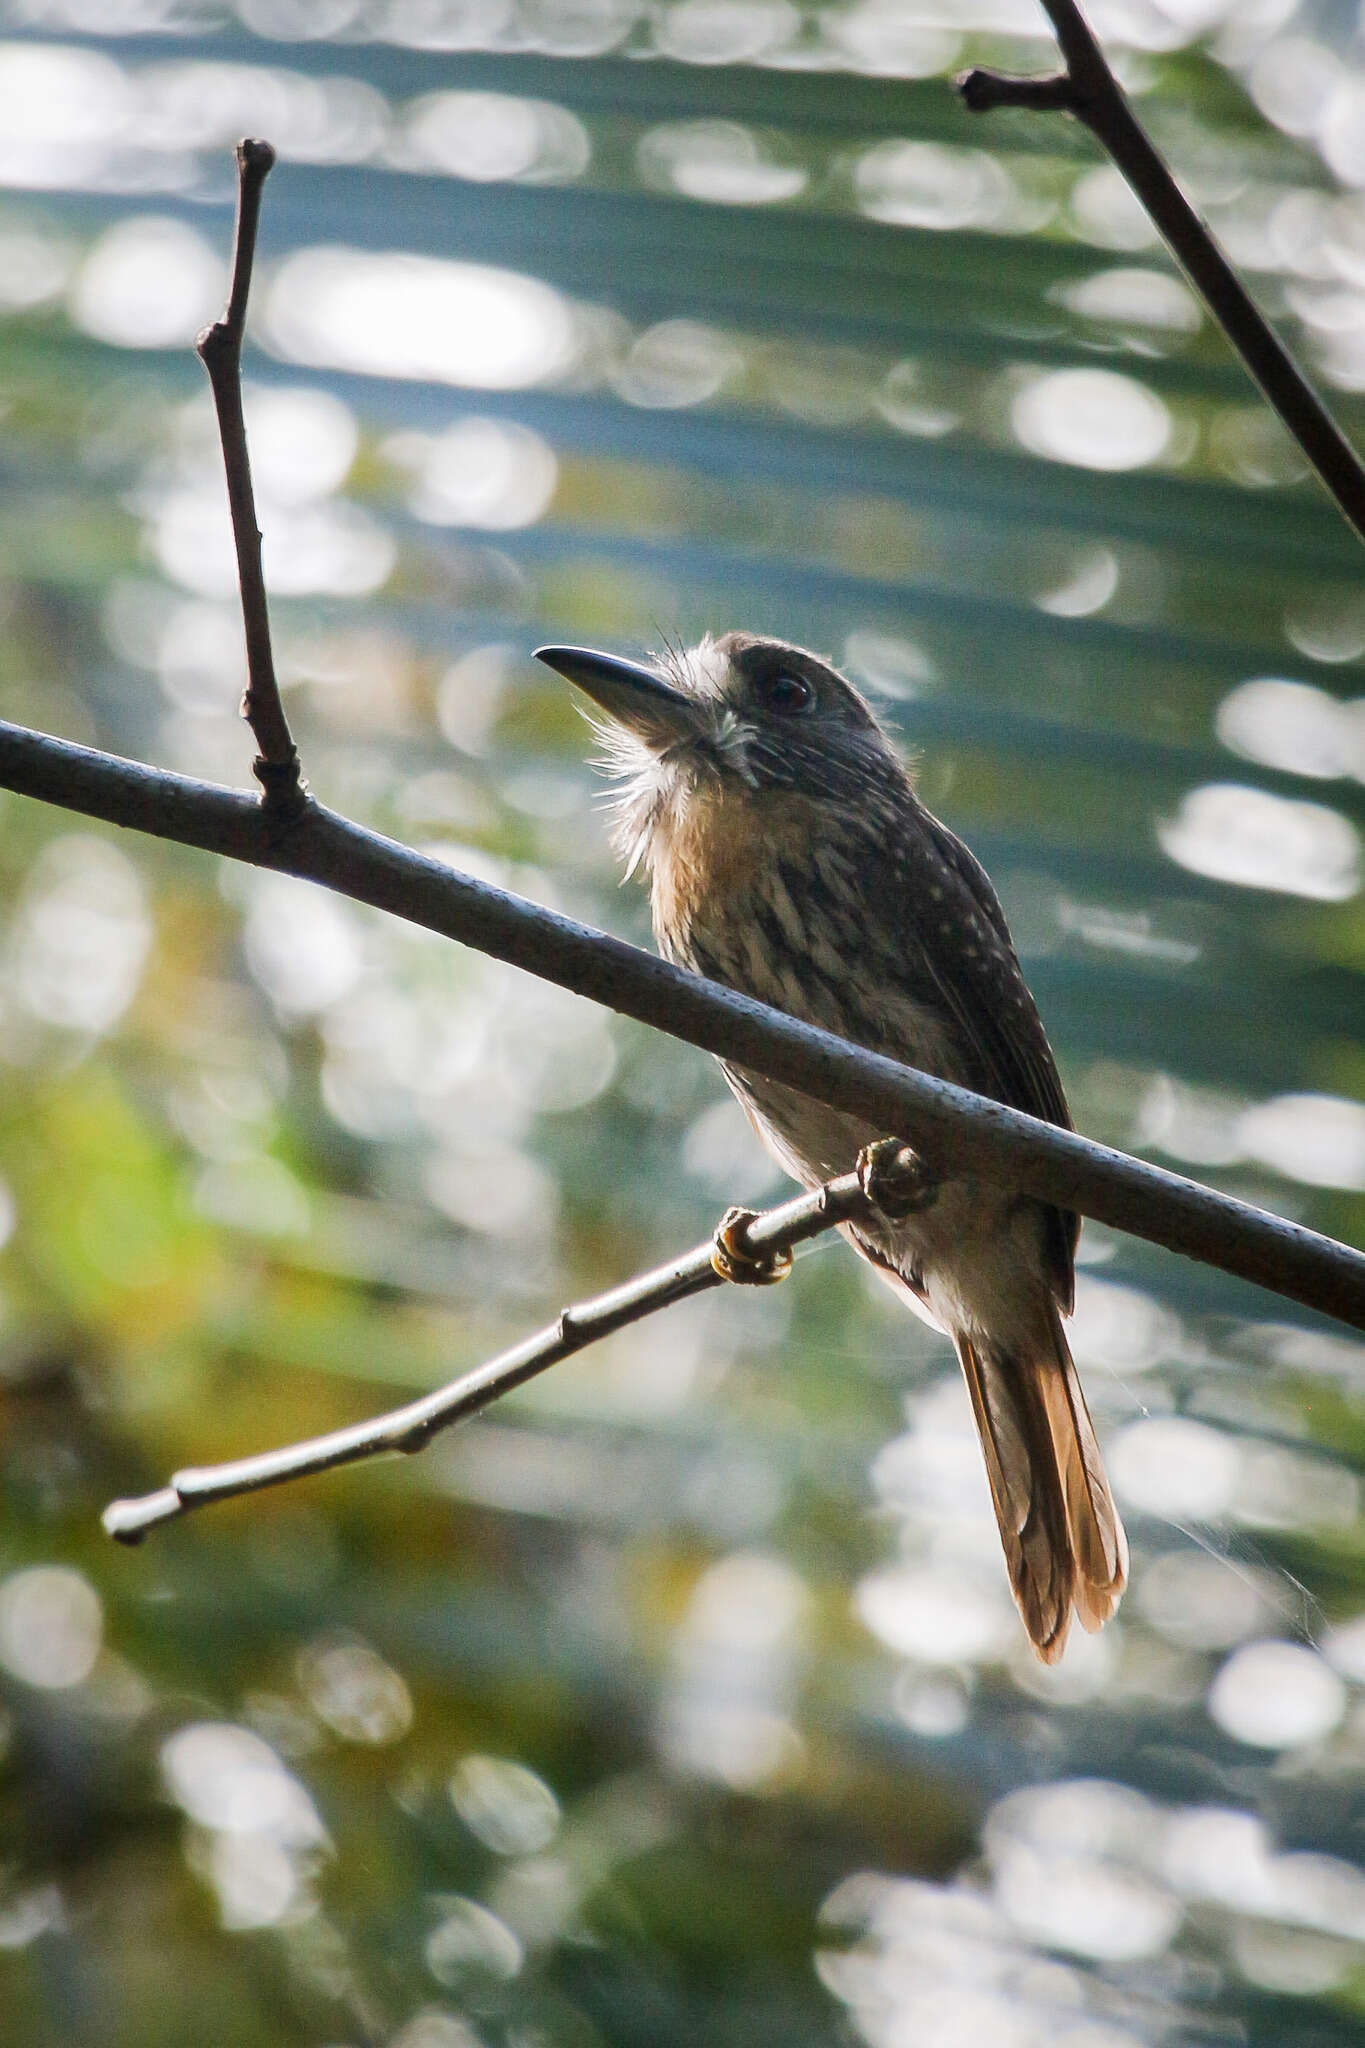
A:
x: 219, y: 349
x: 1089, y: 90
x: 763, y: 1241
x: 951, y: 1128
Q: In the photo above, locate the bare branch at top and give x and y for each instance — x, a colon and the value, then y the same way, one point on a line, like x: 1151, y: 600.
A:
x: 219, y: 349
x: 1089, y: 90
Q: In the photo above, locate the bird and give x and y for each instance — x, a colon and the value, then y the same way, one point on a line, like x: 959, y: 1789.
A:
x: 790, y: 858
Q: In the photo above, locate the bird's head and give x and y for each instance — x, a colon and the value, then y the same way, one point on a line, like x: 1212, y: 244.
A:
x: 736, y: 726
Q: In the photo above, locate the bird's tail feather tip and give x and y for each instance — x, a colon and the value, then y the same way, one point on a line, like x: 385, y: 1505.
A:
x: 1063, y: 1540
x: 1098, y: 1543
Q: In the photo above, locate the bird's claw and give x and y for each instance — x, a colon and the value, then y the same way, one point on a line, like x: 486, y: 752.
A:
x: 895, y: 1180
x: 734, y: 1258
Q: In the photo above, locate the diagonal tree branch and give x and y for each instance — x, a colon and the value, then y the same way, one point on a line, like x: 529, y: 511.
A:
x: 952, y: 1129
x: 745, y: 1247
x: 219, y: 349
x: 1089, y: 90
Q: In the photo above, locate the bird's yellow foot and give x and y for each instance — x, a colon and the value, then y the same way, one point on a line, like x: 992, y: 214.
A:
x: 734, y: 1258
x: 895, y: 1179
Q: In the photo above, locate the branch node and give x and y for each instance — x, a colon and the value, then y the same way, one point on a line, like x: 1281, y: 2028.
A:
x: 735, y: 1258
x: 214, y: 342
x: 982, y: 91
x: 284, y: 793
x: 895, y: 1180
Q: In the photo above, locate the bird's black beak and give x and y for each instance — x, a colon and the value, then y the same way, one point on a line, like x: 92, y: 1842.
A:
x: 633, y: 695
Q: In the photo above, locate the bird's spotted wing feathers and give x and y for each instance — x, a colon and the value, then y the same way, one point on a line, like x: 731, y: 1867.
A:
x: 957, y: 938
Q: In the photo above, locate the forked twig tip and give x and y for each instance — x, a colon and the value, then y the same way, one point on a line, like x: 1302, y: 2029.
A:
x: 219, y: 348
x: 255, y: 158
x: 128, y: 1521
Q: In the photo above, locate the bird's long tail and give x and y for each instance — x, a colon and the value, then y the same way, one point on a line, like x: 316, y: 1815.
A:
x: 1064, y: 1542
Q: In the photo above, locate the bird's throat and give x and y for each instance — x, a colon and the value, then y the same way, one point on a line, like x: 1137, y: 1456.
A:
x: 713, y: 857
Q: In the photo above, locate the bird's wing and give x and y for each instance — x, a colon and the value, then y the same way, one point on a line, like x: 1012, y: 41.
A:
x: 959, y: 942
x: 989, y: 981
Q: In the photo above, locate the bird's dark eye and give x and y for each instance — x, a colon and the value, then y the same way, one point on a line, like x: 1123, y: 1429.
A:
x: 787, y: 692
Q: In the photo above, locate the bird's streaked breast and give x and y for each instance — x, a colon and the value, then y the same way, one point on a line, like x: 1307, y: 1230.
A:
x: 783, y: 916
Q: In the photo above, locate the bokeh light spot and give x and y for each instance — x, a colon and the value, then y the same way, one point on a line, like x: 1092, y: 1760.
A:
x: 932, y: 185
x: 1174, y: 1467
x: 81, y: 935
x: 1318, y: 1139
x: 350, y: 1687
x: 1096, y: 419
x: 1275, y: 1695
x: 484, y: 473
x: 676, y: 363
x: 488, y: 136
x: 51, y: 1626
x: 148, y: 282
x: 391, y: 314
x: 1234, y: 833
x: 724, y: 31
x: 510, y: 1809
x: 471, y: 1941
x: 1293, y: 726
x: 719, y: 162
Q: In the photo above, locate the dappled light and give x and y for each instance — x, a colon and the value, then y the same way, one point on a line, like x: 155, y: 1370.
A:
x: 925, y: 185
x: 394, y: 315
x: 1274, y: 1695
x: 725, y: 1709
x: 1091, y: 417
x: 481, y: 472
x: 51, y: 1623
x: 719, y: 161
x: 1236, y: 833
x: 79, y: 936
x: 1294, y: 726
x: 486, y: 136
x: 147, y: 282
